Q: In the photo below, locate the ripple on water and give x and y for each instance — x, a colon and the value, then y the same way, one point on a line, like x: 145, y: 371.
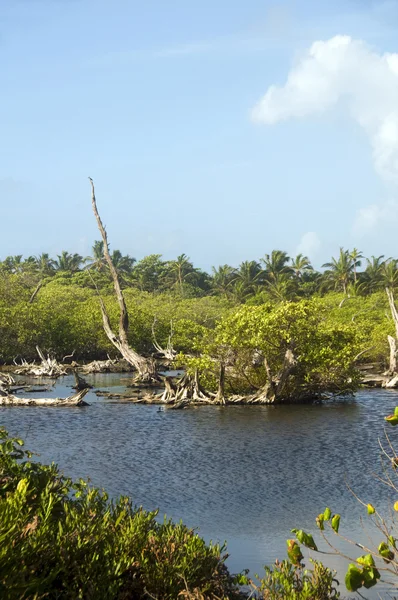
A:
x: 245, y: 474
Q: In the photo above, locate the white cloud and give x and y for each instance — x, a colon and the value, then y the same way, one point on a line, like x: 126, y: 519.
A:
x: 346, y: 72
x: 367, y: 219
x: 309, y: 245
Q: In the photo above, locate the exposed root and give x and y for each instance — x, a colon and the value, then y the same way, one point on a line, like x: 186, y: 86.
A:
x: 49, y: 367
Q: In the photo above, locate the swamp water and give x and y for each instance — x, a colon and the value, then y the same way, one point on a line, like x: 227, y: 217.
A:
x: 247, y: 475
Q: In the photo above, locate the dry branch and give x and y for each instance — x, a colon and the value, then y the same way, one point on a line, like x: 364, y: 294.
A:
x: 145, y: 367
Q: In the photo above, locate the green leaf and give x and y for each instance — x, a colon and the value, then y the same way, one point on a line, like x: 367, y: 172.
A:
x: 370, y: 577
x: 353, y: 578
x: 385, y: 552
x: 336, y: 523
x: 305, y: 538
x: 392, y: 541
x: 327, y: 514
x: 371, y: 509
x: 392, y: 420
x: 294, y: 552
x: 319, y: 521
x: 367, y: 560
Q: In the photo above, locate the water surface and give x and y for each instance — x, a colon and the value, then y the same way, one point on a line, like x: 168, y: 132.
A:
x: 242, y: 474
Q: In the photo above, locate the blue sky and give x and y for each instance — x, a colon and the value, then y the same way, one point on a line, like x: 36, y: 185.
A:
x: 167, y: 106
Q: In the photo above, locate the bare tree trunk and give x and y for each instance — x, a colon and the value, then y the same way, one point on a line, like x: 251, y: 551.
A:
x: 146, y: 367
x: 289, y: 364
x: 273, y: 391
x: 393, y: 355
x: 392, y: 369
x: 220, y: 396
x: 393, y: 309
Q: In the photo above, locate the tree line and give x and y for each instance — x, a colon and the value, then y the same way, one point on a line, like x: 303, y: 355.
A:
x: 276, y: 276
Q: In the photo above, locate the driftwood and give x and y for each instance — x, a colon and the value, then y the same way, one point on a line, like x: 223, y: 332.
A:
x: 49, y: 367
x: 80, y: 383
x: 99, y: 366
x: 75, y: 400
x: 169, y: 351
x: 7, y: 382
x: 146, y: 367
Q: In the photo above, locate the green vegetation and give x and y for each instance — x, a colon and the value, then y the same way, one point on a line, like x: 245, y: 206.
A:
x: 247, y: 321
x: 67, y: 540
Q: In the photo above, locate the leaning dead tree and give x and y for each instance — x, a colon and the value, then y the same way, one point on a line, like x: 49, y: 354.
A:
x: 392, y: 369
x: 146, y: 367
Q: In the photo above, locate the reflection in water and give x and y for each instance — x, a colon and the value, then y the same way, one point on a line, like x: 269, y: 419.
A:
x: 244, y: 474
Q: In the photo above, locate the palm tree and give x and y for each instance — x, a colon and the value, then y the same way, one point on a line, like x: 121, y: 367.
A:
x: 339, y: 271
x: 300, y: 265
x: 283, y: 287
x: 180, y: 271
x: 68, y: 262
x: 29, y: 264
x: 96, y: 261
x: 373, y: 273
x: 275, y: 264
x: 13, y: 264
x: 389, y: 274
x: 123, y: 263
x: 45, y: 264
x: 356, y: 256
x: 223, y: 279
x: 247, y: 279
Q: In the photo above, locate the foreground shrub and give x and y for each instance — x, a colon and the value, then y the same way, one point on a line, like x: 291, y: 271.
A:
x: 289, y: 582
x: 66, y: 540
x: 60, y: 539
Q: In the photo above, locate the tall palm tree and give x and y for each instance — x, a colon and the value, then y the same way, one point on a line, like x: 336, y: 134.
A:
x: 45, y: 264
x: 223, y: 279
x: 389, y: 274
x: 356, y: 256
x: 248, y: 277
x: 300, y: 265
x: 275, y: 264
x: 339, y: 271
x: 123, y: 263
x: 180, y: 271
x: 373, y: 272
x: 13, y: 264
x: 68, y: 262
x: 97, y: 260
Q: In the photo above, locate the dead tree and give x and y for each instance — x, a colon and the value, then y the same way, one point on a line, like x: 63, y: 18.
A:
x: 146, y: 367
x: 169, y: 351
x: 392, y: 368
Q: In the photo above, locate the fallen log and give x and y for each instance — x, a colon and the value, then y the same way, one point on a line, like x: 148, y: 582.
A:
x: 75, y: 400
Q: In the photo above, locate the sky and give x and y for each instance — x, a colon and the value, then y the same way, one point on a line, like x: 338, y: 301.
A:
x: 216, y: 128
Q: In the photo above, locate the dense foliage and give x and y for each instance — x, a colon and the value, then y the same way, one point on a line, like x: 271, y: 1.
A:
x: 275, y: 277
x: 233, y: 317
x: 67, y: 540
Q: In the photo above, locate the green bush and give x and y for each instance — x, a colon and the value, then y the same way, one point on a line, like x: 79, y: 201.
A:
x: 60, y: 539
x: 67, y: 540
